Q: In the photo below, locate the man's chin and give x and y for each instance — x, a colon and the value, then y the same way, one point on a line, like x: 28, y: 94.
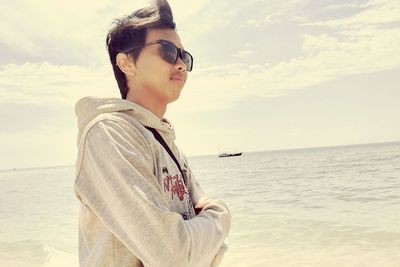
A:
x: 175, y: 96
x: 173, y: 99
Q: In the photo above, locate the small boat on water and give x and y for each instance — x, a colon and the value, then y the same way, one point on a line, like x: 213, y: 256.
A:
x: 223, y: 155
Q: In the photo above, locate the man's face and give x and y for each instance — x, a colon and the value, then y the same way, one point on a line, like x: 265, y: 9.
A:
x: 161, y: 80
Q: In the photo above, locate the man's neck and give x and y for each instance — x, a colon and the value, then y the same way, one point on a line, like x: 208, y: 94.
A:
x: 149, y: 103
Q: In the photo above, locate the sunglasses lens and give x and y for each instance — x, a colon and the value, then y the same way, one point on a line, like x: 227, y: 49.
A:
x: 169, y: 53
x: 187, y: 58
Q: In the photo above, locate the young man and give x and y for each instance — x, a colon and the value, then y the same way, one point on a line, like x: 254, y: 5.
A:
x: 140, y: 203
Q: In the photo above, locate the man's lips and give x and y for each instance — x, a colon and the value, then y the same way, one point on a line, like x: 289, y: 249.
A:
x: 178, y: 78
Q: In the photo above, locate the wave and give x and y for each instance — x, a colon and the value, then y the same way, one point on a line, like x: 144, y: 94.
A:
x: 35, y: 254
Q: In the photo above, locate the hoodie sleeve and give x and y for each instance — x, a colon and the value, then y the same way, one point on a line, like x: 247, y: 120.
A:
x: 197, y: 194
x: 115, y: 179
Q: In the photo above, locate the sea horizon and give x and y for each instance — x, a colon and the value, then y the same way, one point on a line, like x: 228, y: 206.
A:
x: 207, y: 155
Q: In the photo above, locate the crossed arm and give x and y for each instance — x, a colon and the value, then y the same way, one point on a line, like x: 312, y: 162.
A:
x: 115, y: 176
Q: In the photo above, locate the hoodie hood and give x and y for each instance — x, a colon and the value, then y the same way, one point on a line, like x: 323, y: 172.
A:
x: 88, y: 108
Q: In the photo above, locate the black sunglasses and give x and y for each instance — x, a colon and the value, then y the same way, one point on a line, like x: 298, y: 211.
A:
x: 170, y: 53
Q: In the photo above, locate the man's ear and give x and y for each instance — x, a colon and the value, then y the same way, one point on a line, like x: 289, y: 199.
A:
x: 126, y: 64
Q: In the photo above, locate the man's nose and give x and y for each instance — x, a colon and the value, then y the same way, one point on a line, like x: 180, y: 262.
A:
x: 180, y: 65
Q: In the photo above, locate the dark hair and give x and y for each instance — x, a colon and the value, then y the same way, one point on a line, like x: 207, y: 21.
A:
x: 131, y: 31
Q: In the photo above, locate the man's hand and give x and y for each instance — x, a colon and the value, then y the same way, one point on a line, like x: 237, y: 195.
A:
x: 202, y: 203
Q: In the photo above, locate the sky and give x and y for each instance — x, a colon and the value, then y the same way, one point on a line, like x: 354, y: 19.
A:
x: 267, y: 74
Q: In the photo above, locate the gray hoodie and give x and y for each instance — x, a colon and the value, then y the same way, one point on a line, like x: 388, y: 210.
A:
x: 136, y: 210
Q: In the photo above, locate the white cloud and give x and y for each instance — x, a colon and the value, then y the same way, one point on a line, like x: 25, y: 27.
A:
x: 277, y: 12
x: 49, y: 19
x: 324, y: 58
x: 254, y: 22
x: 46, y: 83
x: 342, y: 6
x: 72, y: 31
x: 247, y: 51
x: 273, y: 18
x: 373, y: 13
x: 244, y: 53
x: 182, y: 13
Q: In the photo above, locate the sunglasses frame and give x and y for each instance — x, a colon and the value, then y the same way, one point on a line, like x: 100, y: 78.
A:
x: 179, y: 53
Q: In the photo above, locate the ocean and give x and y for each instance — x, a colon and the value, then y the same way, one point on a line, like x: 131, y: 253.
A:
x: 330, y: 206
